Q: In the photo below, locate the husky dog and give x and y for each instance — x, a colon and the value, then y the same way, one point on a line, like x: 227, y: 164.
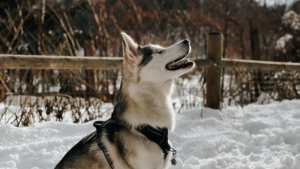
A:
x: 144, y: 100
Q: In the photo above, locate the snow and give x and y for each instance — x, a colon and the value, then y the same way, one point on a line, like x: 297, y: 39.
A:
x: 292, y: 19
x: 253, y: 137
x: 281, y: 42
x: 275, y: 2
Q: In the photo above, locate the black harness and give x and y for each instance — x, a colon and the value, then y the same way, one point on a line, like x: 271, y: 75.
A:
x: 157, y: 135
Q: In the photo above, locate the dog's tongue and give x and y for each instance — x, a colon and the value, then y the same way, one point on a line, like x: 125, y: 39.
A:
x: 179, y: 64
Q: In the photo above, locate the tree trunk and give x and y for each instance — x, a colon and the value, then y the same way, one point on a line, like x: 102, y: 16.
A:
x: 2, y: 86
x: 91, y: 75
x: 256, y: 55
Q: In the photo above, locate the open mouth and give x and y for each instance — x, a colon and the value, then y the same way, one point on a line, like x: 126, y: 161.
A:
x: 180, y: 63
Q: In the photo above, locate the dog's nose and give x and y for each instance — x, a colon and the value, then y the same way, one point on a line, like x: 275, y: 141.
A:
x: 185, y: 42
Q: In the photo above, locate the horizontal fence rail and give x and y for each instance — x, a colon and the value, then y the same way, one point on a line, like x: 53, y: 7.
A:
x: 73, y: 62
x: 69, y: 62
x: 257, y: 64
x: 58, y: 62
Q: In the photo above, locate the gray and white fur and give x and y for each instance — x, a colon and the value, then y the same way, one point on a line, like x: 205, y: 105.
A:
x: 144, y: 98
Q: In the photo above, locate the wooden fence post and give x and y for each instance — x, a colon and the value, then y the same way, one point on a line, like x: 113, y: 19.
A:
x: 213, y: 74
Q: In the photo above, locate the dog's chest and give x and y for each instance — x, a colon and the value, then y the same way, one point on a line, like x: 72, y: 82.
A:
x: 149, y: 156
x: 131, y: 149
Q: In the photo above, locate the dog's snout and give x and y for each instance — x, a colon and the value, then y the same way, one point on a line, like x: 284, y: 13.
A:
x: 185, y: 42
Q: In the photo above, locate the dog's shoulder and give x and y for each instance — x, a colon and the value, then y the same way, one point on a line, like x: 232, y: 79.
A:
x: 90, y: 138
x: 85, y: 142
x: 76, y: 152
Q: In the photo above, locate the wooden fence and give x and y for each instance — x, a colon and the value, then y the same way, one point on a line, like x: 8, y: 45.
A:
x: 214, y: 64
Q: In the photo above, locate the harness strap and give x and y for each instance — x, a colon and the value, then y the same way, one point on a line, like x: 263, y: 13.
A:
x: 107, y: 158
x: 98, y: 126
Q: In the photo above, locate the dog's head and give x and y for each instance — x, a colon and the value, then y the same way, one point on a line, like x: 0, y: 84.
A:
x: 153, y: 63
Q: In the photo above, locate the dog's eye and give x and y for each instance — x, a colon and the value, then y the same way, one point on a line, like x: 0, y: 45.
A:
x: 159, y: 52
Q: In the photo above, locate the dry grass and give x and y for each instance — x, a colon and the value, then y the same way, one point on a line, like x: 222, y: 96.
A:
x: 92, y: 27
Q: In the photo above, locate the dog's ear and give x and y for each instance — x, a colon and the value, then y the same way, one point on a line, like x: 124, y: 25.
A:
x: 130, y: 48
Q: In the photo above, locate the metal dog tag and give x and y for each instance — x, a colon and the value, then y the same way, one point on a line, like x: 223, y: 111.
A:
x: 173, y: 161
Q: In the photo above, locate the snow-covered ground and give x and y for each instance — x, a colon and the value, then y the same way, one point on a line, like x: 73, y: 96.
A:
x: 253, y: 137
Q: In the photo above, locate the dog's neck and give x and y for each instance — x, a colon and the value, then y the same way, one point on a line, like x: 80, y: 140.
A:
x: 148, y: 103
